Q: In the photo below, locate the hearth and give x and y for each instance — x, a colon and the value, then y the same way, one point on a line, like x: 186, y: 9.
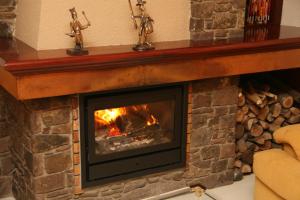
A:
x: 133, y: 132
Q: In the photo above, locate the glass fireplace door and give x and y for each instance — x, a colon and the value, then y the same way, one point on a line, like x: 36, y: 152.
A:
x: 131, y: 133
x: 133, y: 127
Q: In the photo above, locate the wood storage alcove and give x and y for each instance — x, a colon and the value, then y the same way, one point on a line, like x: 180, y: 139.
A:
x: 265, y: 104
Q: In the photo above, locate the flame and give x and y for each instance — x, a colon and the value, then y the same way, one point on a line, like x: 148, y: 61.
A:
x: 152, y: 120
x: 108, y: 116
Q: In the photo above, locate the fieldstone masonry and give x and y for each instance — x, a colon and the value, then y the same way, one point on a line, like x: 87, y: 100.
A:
x: 42, y: 137
x: 217, y: 19
x: 35, y: 148
x: 7, y: 18
x: 6, y: 165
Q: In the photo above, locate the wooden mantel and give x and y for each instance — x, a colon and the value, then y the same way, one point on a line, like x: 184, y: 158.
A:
x: 29, y: 74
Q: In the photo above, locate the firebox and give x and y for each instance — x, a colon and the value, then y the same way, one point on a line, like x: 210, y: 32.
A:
x: 130, y: 133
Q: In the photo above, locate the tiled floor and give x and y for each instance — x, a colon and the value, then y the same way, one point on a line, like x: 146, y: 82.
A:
x: 239, y: 190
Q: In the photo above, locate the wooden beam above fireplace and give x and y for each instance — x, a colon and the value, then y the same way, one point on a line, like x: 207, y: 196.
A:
x: 28, y: 74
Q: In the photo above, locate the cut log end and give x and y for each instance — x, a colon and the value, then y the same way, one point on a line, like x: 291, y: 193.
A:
x: 256, y: 130
x: 246, y: 169
x: 286, y: 100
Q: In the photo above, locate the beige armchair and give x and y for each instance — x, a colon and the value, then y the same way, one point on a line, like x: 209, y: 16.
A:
x: 277, y: 172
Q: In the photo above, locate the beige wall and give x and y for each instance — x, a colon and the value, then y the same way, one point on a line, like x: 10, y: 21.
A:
x: 28, y: 20
x: 291, y: 13
x: 111, y: 22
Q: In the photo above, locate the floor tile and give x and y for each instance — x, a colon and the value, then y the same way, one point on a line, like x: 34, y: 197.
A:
x: 239, y: 190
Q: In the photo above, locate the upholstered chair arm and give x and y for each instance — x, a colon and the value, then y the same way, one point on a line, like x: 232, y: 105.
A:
x: 289, y: 135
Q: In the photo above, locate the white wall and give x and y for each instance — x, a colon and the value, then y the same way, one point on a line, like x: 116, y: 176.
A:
x: 110, y: 19
x: 291, y: 13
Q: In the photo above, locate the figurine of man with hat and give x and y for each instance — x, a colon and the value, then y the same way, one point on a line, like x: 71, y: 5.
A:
x: 145, y: 28
x: 76, y: 28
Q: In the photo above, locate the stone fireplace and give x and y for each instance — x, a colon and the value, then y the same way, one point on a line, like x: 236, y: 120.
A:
x: 44, y: 141
x: 43, y: 135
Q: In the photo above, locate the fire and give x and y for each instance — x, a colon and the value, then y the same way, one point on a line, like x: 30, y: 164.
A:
x: 152, y: 120
x: 114, y: 131
x: 110, y: 118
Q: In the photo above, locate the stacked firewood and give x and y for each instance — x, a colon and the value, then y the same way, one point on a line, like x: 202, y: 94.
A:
x: 260, y: 113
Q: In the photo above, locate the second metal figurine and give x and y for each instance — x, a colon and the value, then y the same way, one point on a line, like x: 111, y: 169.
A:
x: 76, y: 28
x: 145, y: 26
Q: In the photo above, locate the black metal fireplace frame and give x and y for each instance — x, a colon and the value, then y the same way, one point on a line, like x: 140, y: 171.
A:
x: 143, y: 161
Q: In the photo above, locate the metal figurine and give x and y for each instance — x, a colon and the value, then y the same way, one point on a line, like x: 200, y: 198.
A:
x: 76, y: 28
x: 145, y: 27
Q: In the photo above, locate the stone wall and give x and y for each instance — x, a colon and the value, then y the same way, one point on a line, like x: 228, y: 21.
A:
x: 6, y: 166
x: 46, y: 154
x: 7, y: 17
x: 35, y: 148
x: 217, y: 19
x: 214, y: 108
x: 42, y: 144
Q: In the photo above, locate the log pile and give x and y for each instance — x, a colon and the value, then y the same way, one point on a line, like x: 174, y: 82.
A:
x: 260, y: 113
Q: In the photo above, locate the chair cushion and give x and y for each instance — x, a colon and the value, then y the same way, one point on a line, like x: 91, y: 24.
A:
x: 279, y: 171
